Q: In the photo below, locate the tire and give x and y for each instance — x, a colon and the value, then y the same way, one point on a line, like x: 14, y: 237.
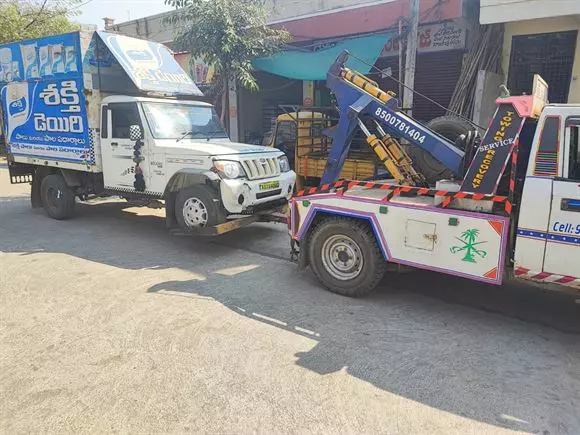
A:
x: 197, y: 207
x: 450, y: 127
x: 340, y: 232
x: 58, y: 199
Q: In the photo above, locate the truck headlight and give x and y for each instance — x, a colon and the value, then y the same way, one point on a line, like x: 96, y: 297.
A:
x: 229, y: 169
x: 284, y: 164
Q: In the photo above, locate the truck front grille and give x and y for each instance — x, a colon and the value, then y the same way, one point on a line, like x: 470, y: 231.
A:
x: 262, y: 167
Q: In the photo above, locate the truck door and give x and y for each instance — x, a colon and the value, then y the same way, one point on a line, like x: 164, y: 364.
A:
x: 117, y: 147
x: 562, y: 256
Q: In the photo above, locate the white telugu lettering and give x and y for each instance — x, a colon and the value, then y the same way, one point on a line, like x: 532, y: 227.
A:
x: 62, y: 124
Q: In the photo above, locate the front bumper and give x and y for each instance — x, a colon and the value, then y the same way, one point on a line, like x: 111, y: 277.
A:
x: 240, y: 195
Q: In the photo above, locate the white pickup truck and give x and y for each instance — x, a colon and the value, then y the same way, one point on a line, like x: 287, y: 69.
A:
x: 97, y: 114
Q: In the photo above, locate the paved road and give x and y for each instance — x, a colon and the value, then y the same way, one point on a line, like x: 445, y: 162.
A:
x: 107, y: 323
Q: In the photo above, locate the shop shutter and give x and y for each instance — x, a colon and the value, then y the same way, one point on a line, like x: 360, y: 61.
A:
x: 436, y: 76
x: 387, y: 83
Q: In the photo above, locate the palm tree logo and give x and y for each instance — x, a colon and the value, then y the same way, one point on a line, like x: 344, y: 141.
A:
x: 468, y: 240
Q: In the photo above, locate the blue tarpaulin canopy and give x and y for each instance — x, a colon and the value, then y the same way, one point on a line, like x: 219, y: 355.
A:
x: 313, y: 62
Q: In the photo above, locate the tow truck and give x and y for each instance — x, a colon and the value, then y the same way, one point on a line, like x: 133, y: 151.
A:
x: 506, y: 205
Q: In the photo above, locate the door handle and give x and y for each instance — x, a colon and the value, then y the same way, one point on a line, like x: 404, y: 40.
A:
x: 569, y: 204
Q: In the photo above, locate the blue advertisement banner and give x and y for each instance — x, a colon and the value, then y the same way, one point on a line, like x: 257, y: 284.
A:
x: 150, y: 65
x: 55, y: 57
x: 47, y: 119
x: 105, y: 72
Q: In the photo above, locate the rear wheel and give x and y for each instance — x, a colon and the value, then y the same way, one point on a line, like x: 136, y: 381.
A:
x: 57, y: 197
x: 198, y: 207
x: 345, y: 256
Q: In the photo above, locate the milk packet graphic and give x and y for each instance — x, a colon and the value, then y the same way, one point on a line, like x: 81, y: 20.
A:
x: 6, y: 74
x: 138, y: 55
x: 17, y: 104
x: 29, y: 61
x: 16, y: 70
x: 70, y: 64
x: 45, y: 58
x: 57, y: 58
x: 5, y: 55
x: 7, y: 69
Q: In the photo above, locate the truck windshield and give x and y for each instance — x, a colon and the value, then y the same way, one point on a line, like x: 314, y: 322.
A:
x: 176, y: 121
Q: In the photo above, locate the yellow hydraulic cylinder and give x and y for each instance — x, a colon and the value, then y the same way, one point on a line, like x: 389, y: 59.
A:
x: 366, y: 85
x: 393, y: 156
x: 402, y: 159
x: 385, y: 157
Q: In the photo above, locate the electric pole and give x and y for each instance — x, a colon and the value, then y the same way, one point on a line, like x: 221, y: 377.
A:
x: 411, y: 56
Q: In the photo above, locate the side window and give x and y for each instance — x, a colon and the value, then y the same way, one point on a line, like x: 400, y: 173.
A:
x: 546, y: 164
x: 574, y: 150
x: 285, y: 133
x: 123, y: 115
x: 104, y: 126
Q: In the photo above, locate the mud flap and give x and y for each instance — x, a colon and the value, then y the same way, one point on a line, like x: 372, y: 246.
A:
x: 35, y: 199
x: 170, y: 221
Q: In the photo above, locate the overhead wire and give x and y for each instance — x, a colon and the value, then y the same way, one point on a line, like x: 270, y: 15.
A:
x: 425, y: 13
x: 418, y: 93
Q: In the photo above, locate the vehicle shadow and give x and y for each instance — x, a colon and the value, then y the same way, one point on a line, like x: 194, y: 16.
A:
x: 474, y: 364
x: 468, y: 362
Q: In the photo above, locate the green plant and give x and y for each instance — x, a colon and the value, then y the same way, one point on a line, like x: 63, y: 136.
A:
x: 227, y: 34
x: 26, y: 19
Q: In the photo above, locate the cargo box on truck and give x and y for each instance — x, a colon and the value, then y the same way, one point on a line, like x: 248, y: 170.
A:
x: 96, y: 113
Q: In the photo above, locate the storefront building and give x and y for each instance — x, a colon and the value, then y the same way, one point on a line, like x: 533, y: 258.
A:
x: 442, y: 42
x: 540, y: 37
x: 372, y: 30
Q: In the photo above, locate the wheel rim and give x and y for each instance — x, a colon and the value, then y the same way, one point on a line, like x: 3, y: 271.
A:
x: 194, y: 213
x: 53, y: 195
x: 342, y: 257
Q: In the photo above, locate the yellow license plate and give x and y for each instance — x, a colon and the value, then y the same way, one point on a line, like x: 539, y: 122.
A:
x: 270, y: 185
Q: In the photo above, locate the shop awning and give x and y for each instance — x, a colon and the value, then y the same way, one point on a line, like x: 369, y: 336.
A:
x: 312, y: 62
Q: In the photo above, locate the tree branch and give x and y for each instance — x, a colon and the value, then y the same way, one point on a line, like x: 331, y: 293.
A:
x: 37, y: 15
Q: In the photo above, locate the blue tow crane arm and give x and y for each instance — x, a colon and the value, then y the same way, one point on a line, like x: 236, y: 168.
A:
x: 357, y: 97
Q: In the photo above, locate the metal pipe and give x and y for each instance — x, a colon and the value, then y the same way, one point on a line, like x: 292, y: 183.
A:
x: 411, y: 57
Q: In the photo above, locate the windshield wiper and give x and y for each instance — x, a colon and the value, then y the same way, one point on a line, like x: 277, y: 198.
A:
x: 212, y: 134
x: 187, y: 133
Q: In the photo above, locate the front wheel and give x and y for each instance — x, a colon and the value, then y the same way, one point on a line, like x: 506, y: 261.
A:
x: 198, y: 207
x: 345, y: 256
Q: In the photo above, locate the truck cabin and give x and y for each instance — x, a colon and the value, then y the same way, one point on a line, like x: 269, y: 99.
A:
x: 547, y: 214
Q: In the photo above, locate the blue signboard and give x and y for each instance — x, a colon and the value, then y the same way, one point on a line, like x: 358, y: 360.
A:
x: 150, y: 65
x: 42, y: 82
x: 47, y: 119
x: 43, y: 58
x: 42, y: 97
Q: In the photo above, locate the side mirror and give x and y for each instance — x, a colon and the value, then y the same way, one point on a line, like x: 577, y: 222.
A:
x: 135, y: 132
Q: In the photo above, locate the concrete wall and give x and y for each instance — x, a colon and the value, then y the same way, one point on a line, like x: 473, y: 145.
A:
x: 286, y: 9
x: 486, y: 92
x: 154, y: 28
x: 546, y: 25
x: 503, y: 11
